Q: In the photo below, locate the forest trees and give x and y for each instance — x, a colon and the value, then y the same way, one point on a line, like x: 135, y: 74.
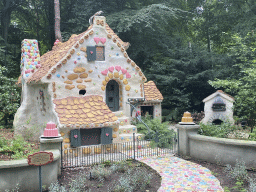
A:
x: 176, y: 46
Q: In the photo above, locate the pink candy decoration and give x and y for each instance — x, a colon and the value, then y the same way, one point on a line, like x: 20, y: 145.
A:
x: 111, y: 69
x: 91, y: 52
x: 128, y: 76
x: 103, y: 40
x: 51, y: 130
x: 124, y: 71
x: 96, y: 39
x: 27, y: 71
x: 118, y: 68
x: 105, y: 72
x: 56, y: 42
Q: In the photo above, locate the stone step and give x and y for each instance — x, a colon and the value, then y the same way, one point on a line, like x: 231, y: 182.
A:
x: 126, y: 129
x: 124, y: 120
x: 129, y: 137
x: 119, y: 113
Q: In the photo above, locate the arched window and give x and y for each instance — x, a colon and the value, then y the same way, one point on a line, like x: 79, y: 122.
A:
x: 218, y: 104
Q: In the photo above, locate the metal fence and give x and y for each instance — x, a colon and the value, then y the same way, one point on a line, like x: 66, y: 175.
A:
x: 88, y: 155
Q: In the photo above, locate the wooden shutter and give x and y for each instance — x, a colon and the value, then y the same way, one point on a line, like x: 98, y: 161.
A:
x: 91, y: 53
x: 100, y: 53
x: 75, y: 138
x: 106, y: 135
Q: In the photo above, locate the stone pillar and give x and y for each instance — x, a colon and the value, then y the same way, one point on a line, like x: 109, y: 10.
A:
x: 185, y: 127
x: 47, y: 144
x: 184, y: 131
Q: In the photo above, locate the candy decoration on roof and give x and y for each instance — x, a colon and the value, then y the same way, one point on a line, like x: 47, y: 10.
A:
x: 56, y: 42
x: 30, y: 57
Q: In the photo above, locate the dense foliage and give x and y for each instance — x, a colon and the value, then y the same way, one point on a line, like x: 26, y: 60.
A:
x: 221, y: 131
x: 181, y: 45
x: 17, y: 147
x: 9, y: 97
x: 159, y: 132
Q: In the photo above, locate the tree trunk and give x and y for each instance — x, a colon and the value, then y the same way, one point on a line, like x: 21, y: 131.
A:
x: 57, y: 20
x: 5, y: 19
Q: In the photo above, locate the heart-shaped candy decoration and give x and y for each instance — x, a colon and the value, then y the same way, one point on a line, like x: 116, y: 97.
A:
x: 107, y: 134
x: 105, y: 72
x: 96, y: 39
x: 111, y: 69
x: 118, y: 68
x: 91, y: 52
x: 128, y: 76
x: 124, y: 71
x: 103, y: 40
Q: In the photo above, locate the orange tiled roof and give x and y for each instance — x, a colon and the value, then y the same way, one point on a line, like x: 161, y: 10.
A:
x: 151, y: 92
x: 89, y: 111
x: 51, y: 58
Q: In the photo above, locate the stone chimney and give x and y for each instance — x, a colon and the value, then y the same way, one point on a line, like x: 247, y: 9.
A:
x: 99, y: 21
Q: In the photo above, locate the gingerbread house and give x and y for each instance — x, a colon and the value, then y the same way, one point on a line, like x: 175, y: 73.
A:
x: 86, y: 86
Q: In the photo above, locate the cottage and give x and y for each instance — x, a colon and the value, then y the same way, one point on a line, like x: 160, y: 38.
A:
x: 88, y: 86
x: 218, y: 108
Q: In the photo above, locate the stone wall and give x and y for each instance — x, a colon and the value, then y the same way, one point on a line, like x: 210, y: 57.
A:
x: 19, y: 172
x: 215, y: 150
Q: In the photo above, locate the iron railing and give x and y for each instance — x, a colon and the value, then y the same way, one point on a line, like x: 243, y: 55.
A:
x: 135, y: 149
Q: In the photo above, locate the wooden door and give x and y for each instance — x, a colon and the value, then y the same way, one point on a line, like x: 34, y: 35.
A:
x: 112, y: 95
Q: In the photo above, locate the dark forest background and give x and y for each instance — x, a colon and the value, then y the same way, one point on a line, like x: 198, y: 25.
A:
x: 188, y: 48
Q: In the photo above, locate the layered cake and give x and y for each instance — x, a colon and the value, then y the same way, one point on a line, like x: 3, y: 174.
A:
x: 187, y: 119
x: 51, y: 130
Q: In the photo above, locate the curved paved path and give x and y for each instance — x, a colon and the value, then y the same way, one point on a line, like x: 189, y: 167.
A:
x: 179, y: 175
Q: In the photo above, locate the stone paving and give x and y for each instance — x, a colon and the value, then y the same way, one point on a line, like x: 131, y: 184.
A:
x: 179, y: 175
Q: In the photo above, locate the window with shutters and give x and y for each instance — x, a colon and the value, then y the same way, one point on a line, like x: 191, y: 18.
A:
x: 90, y: 136
x: 93, y: 136
x: 95, y: 53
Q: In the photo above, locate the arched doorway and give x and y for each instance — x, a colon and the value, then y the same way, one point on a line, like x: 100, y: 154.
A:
x: 217, y: 122
x: 112, y: 95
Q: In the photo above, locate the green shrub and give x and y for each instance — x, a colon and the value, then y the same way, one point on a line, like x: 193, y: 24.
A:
x: 221, y: 131
x: 238, y: 172
x: 157, y: 130
x: 252, y: 136
x: 100, y: 172
x: 17, y: 146
x: 120, y: 166
x: 252, y: 185
x: 3, y: 141
x: 129, y: 182
x: 55, y: 187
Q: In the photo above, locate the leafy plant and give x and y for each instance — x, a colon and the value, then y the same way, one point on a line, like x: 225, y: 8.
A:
x: 158, y: 131
x: 252, y: 136
x: 55, y: 187
x: 216, y: 130
x: 9, y: 97
x: 121, y: 166
x: 16, y: 189
x: 78, y: 183
x: 239, y: 172
x: 17, y: 146
x: 252, y: 185
x: 100, y: 172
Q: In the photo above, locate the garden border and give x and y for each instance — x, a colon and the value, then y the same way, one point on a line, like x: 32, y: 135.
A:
x: 215, y: 150
x: 20, y: 172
